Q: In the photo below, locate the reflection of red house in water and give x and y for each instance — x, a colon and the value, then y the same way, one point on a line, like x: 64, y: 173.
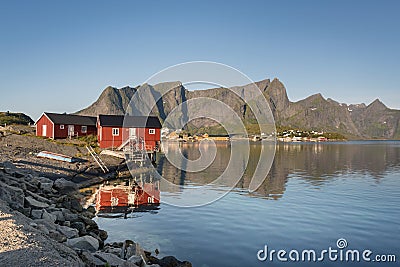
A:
x: 114, y: 130
x: 124, y: 196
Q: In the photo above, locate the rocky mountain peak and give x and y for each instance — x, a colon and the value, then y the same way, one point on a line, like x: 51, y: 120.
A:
x: 315, y: 112
x: 111, y: 101
x: 108, y: 90
x: 263, y: 85
x: 278, y: 96
x: 316, y: 97
x: 376, y: 105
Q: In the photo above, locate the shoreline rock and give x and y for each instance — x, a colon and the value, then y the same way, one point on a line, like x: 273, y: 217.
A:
x: 53, y: 209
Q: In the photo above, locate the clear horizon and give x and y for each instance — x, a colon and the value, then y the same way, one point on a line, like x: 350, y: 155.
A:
x: 58, y: 57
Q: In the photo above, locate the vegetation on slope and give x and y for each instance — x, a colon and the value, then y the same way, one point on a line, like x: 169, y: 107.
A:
x: 7, y: 118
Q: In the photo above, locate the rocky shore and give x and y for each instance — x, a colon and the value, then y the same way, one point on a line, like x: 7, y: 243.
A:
x: 42, y: 221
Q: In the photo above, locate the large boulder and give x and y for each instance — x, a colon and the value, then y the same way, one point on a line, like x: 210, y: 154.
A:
x: 129, y: 249
x: 103, y: 234
x: 89, y: 222
x: 69, y: 216
x: 101, y: 242
x: 37, y: 181
x: 80, y: 226
x: 49, y: 217
x: 91, y: 209
x: 70, y: 203
x: 110, y: 258
x: 50, y: 225
x: 18, y: 174
x: 36, y: 214
x: 76, y: 205
x: 64, y: 186
x: 34, y: 204
x: 86, y: 242
x: 171, y: 261
x: 88, y: 214
x: 37, y: 197
x: 68, y: 231
x: 46, y: 187
x: 8, y: 167
x: 43, y: 229
x: 112, y: 250
x: 59, y: 215
x: 91, y: 260
x: 60, y: 238
x: 12, y: 195
x: 136, y: 259
x: 44, y: 180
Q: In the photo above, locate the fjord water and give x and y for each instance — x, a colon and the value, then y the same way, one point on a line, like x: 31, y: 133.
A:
x: 314, y: 194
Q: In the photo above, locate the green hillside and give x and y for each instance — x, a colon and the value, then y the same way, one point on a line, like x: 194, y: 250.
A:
x: 14, y: 118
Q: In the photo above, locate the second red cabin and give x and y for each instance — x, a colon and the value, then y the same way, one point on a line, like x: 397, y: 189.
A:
x: 114, y: 130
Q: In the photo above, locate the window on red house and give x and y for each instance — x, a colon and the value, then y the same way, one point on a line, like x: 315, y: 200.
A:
x: 115, y: 131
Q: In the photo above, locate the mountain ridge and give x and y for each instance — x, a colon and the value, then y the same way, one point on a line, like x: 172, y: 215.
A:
x: 315, y: 112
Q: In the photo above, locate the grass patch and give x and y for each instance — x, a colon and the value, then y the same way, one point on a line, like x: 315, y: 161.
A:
x: 90, y: 140
x: 9, y: 118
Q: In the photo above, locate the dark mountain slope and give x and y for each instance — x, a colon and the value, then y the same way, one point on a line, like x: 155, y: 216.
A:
x: 312, y: 113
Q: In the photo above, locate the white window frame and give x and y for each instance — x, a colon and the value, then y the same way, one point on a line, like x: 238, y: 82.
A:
x: 83, y: 129
x: 115, y: 131
x: 62, y: 127
x: 152, y: 131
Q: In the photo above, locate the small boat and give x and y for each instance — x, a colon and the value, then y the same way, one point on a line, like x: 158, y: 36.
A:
x: 56, y: 156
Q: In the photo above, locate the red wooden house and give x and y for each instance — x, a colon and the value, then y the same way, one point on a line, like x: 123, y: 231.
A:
x: 58, y: 126
x: 114, y: 130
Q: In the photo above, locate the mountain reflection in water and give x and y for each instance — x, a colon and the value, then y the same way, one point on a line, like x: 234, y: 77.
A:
x: 316, y: 164
x: 324, y: 191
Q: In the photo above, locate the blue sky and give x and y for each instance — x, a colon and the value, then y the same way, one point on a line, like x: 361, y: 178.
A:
x: 59, y: 56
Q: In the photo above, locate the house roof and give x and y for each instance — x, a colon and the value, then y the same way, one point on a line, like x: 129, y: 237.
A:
x: 129, y: 121
x: 71, y: 119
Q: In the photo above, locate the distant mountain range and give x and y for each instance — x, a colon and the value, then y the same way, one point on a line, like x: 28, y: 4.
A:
x: 312, y: 113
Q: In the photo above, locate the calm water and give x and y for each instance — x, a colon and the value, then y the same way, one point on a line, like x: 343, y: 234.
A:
x: 313, y: 195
